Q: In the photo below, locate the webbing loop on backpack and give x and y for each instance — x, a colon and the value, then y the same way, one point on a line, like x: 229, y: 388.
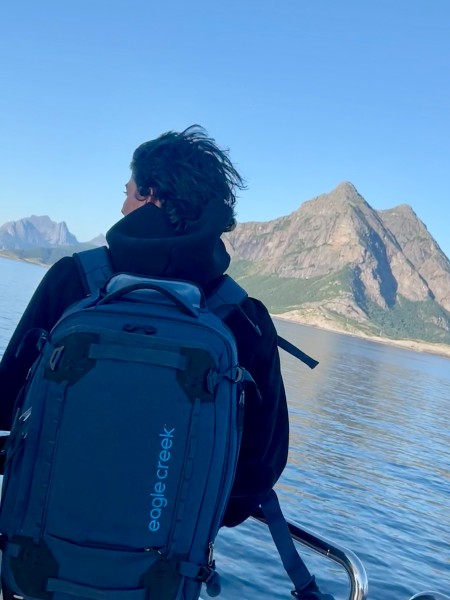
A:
x: 236, y: 375
x: 207, y: 574
x: 240, y: 375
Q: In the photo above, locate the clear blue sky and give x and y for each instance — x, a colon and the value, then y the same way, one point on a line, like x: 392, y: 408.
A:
x: 305, y: 93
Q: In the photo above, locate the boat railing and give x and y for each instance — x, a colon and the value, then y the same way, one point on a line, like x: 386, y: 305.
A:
x: 340, y: 555
x: 344, y: 557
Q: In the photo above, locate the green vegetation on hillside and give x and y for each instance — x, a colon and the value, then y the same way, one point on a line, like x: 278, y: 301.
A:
x: 405, y: 319
x: 282, y: 294
x: 424, y: 320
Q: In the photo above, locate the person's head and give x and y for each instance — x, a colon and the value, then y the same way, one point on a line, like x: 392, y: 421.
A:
x: 181, y: 173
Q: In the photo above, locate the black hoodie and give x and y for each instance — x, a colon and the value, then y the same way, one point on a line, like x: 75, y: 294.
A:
x: 144, y: 243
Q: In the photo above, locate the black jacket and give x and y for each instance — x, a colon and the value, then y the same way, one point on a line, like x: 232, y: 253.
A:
x: 144, y: 243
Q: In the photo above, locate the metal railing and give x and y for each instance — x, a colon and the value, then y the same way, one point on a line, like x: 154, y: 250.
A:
x: 344, y: 557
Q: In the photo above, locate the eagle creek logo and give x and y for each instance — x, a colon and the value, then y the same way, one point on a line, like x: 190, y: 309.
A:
x: 158, y: 495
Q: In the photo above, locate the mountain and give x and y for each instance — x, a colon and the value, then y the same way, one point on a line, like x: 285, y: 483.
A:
x: 338, y: 262
x: 35, y: 232
x: 99, y: 240
x: 41, y: 240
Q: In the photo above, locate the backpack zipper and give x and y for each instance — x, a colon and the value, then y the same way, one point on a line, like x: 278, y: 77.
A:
x: 112, y: 547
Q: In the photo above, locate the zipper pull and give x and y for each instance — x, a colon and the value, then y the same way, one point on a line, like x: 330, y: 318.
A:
x: 25, y: 416
x: 240, y: 413
x: 211, y: 554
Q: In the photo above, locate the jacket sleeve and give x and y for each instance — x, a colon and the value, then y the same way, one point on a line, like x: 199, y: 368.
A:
x: 265, y: 440
x: 60, y: 287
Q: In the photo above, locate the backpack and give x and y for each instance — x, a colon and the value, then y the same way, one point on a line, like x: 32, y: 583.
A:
x: 123, y: 452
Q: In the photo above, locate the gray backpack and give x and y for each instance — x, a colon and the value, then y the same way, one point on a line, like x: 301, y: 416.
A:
x: 123, y: 452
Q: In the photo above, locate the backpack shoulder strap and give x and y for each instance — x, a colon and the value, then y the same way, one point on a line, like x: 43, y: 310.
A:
x: 229, y: 296
x: 278, y: 527
x: 228, y: 293
x: 95, y: 268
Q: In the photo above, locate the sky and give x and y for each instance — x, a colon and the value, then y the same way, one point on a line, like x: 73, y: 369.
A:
x: 304, y: 93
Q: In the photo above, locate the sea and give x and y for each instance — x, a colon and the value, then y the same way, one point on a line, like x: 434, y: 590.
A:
x: 369, y: 462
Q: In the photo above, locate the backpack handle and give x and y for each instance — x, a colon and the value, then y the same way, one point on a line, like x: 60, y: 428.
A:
x: 177, y: 298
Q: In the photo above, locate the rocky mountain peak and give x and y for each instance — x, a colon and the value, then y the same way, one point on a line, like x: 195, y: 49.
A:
x: 35, y: 231
x: 375, y: 258
x: 347, y: 191
x: 340, y: 203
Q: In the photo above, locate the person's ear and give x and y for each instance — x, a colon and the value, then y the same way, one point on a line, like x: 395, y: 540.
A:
x: 151, y: 198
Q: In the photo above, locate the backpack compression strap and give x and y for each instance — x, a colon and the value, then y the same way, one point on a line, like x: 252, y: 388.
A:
x: 297, y: 353
x: 95, y: 268
x: 229, y: 295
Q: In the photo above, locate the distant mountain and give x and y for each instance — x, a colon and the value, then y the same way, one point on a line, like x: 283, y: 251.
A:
x: 33, y: 232
x: 99, y: 240
x: 41, y: 240
x: 338, y: 262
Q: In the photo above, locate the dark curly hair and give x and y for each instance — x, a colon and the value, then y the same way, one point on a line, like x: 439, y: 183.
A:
x: 186, y: 171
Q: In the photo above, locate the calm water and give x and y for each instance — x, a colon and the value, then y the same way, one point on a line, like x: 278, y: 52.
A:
x: 369, y: 462
x: 18, y: 280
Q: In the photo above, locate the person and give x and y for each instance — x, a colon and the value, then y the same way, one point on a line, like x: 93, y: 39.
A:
x: 179, y: 200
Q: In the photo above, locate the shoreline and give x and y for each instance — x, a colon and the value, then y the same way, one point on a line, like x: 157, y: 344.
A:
x: 30, y: 261
x: 442, y: 350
